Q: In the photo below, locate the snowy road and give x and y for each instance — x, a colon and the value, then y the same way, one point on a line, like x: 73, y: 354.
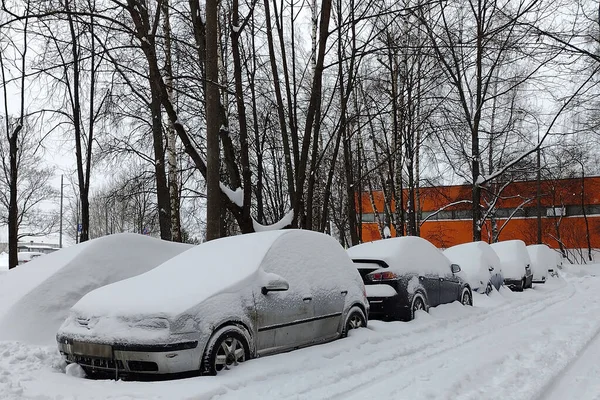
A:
x: 540, y: 344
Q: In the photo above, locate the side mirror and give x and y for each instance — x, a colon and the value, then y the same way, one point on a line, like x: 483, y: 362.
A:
x: 275, y: 283
x: 455, y: 268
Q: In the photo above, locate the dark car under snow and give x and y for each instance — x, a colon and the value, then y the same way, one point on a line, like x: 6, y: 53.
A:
x: 406, y: 274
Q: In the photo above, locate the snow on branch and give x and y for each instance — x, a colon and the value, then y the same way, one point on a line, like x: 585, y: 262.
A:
x: 236, y: 197
x: 443, y: 208
x: 282, y: 223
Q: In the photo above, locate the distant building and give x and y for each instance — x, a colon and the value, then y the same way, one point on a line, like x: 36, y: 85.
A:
x: 570, y: 210
x: 37, y: 247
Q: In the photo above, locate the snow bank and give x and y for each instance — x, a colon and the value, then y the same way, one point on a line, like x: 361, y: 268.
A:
x: 513, y: 258
x: 35, y: 297
x: 408, y: 254
x: 474, y: 259
x: 581, y: 270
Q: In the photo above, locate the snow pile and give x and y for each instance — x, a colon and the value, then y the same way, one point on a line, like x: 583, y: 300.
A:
x: 513, y: 258
x: 35, y: 297
x: 581, y: 270
x: 408, y: 254
x: 475, y: 260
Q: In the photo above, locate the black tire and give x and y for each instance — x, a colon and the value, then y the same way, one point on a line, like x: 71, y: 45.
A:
x: 466, y: 297
x: 356, y: 319
x: 489, y: 288
x: 419, y: 302
x: 227, y: 348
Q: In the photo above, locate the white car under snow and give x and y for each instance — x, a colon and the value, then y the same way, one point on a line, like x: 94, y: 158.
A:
x: 480, y: 265
x: 543, y: 260
x: 218, y: 304
x: 515, y: 262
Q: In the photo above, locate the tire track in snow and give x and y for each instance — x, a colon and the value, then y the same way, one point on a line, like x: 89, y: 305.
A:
x: 518, y: 369
x: 375, y: 350
x: 464, y: 331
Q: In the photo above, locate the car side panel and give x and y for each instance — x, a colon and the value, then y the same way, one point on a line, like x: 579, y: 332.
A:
x: 450, y: 287
x: 284, y: 320
x: 431, y: 283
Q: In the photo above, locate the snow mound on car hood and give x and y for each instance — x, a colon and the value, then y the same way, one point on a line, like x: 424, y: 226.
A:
x: 184, y: 281
x: 408, y: 254
x: 35, y: 298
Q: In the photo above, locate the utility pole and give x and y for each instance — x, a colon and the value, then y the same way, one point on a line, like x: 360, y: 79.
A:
x: 539, y: 195
x: 61, y: 214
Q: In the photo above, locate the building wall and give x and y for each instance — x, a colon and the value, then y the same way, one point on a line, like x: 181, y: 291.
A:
x: 562, y: 205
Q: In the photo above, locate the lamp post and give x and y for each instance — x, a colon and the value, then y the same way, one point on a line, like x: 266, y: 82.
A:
x: 60, y: 229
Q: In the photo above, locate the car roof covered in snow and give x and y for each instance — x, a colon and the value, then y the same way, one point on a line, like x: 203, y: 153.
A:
x: 474, y: 259
x: 513, y: 257
x: 225, y: 264
x: 542, y: 257
x: 408, y: 254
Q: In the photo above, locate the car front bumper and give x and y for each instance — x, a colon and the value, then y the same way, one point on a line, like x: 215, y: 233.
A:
x: 118, y: 360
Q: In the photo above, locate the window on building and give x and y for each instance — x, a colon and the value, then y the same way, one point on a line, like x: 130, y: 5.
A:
x: 502, y: 213
x: 368, y: 218
x: 445, y: 215
x: 574, y: 210
x: 463, y: 214
x: 592, y: 210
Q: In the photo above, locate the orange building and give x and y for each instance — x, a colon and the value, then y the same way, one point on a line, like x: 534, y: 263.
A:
x: 570, y: 211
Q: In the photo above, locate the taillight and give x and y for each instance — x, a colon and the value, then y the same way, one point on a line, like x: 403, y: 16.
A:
x: 382, y: 276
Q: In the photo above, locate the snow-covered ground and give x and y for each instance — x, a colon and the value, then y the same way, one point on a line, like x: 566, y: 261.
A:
x: 540, y: 344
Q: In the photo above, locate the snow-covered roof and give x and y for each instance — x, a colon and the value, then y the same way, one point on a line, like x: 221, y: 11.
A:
x: 542, y: 258
x: 408, y: 254
x: 474, y: 259
x: 513, y: 257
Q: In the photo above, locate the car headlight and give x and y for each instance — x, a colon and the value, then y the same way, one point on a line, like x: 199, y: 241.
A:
x: 152, y: 323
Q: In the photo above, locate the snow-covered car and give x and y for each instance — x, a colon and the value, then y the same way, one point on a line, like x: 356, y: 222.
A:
x: 515, y: 264
x: 24, y: 257
x: 479, y: 264
x: 218, y: 304
x: 36, y: 297
x: 406, y: 274
x: 543, y: 261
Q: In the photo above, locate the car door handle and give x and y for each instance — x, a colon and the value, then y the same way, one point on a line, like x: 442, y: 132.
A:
x: 344, y: 292
x: 307, y: 299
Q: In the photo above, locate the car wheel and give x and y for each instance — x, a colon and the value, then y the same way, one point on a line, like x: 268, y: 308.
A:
x: 356, y: 319
x: 489, y: 288
x: 418, y: 303
x: 227, y: 349
x: 466, y: 299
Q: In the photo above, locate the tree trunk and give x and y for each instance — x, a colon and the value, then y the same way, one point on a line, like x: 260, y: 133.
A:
x: 175, y: 217
x: 213, y: 108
